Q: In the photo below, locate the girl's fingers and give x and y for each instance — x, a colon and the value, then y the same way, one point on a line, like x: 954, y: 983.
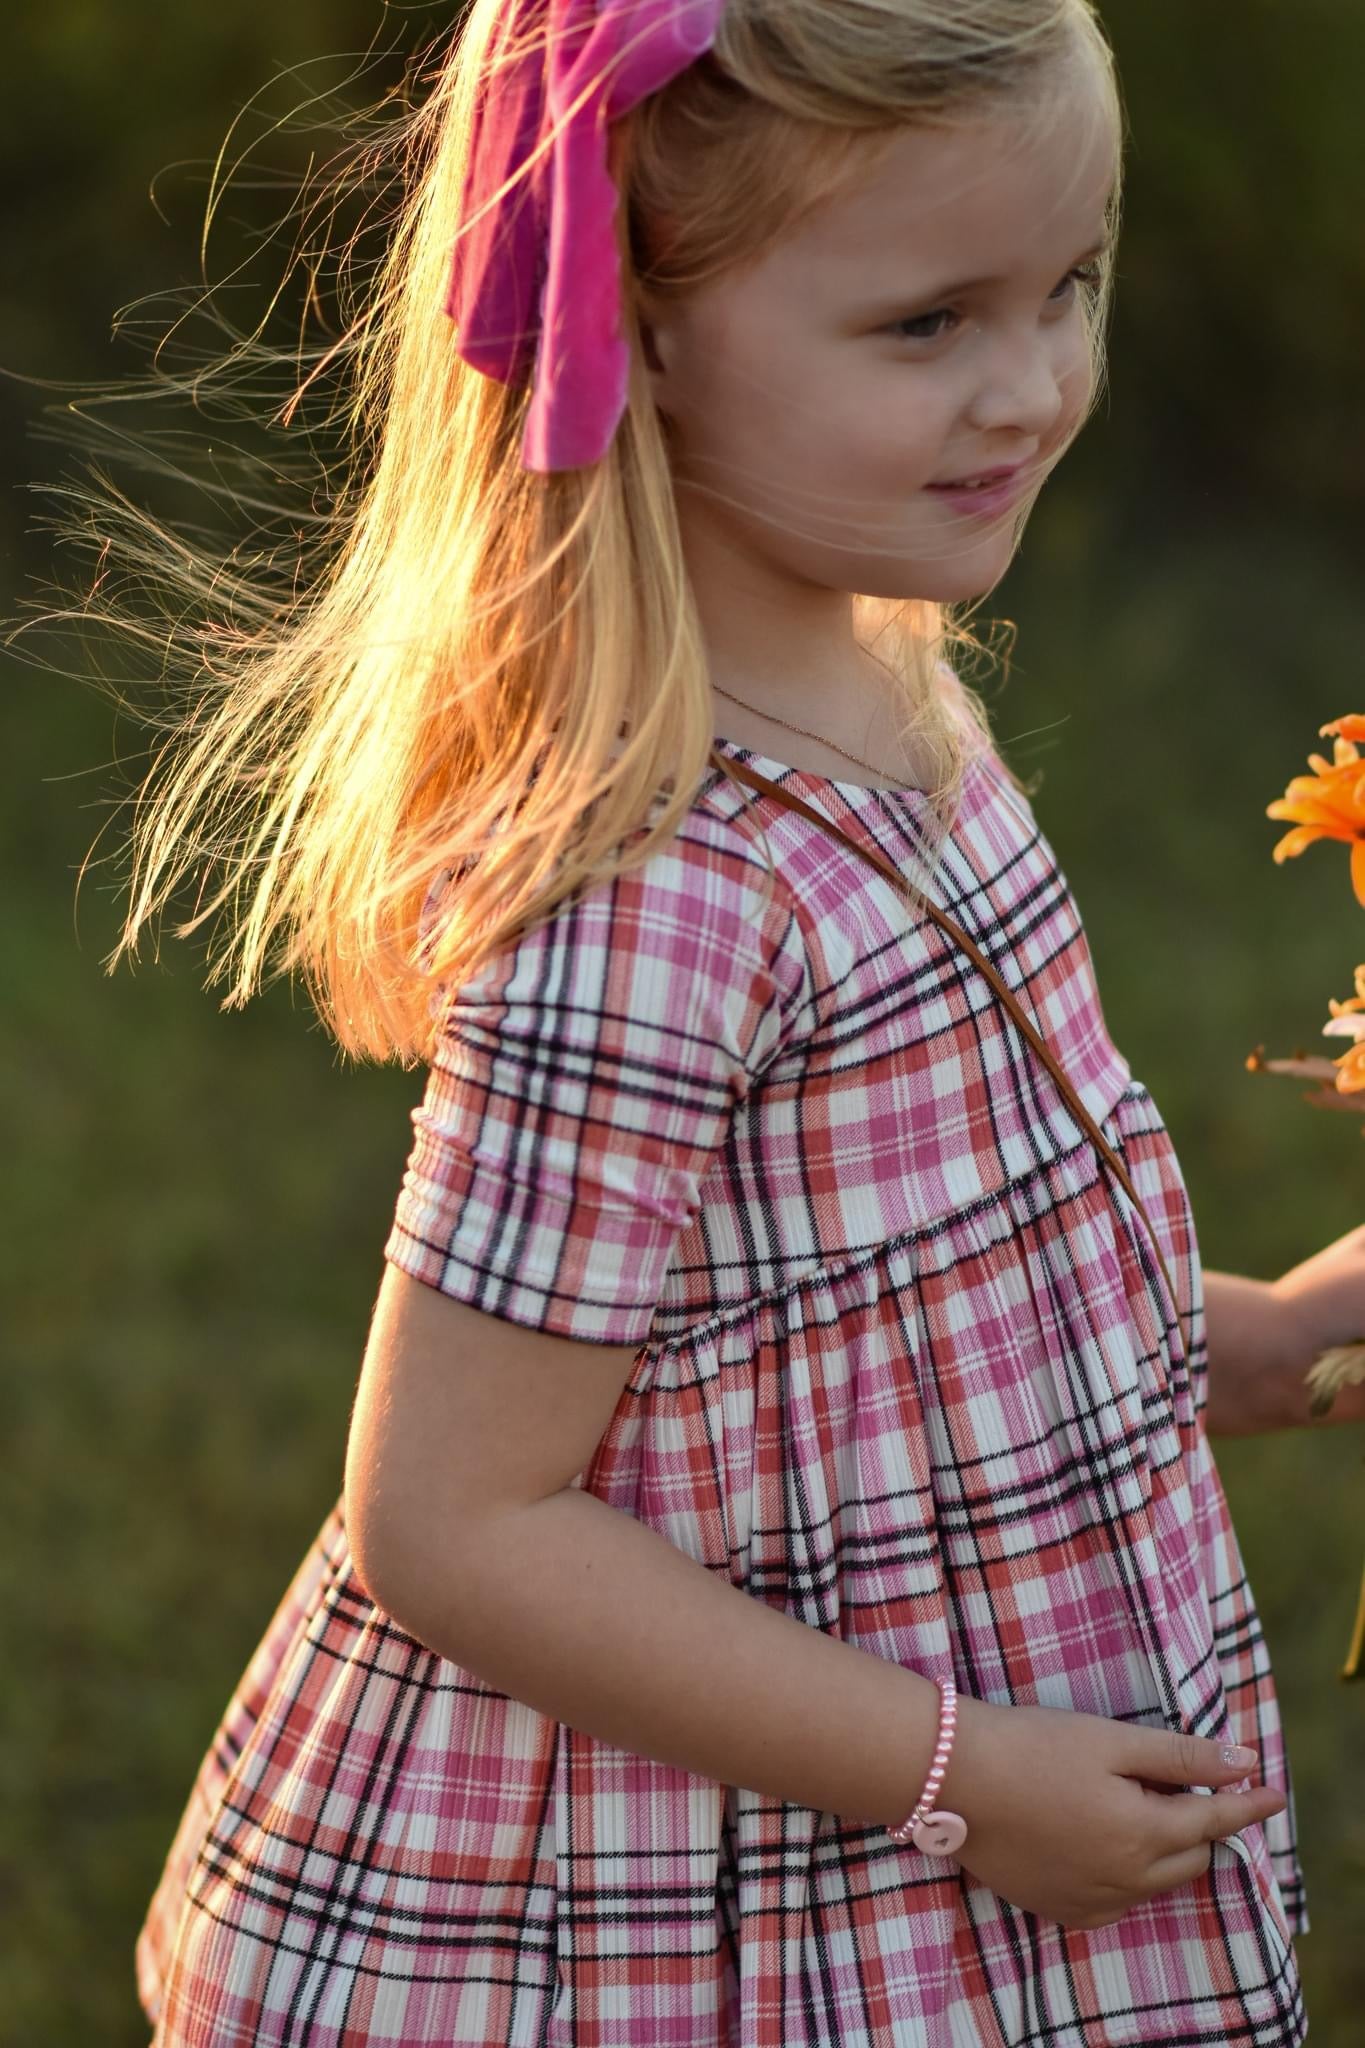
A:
x: 1169, y: 1872
x: 1159, y: 1757
x: 1184, y: 1820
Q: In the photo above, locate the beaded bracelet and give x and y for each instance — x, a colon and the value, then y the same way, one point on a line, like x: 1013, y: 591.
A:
x: 936, y: 1834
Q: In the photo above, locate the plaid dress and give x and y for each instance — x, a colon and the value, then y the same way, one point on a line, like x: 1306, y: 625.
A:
x: 906, y: 1371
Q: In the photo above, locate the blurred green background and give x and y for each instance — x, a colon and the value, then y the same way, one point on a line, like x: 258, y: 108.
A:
x: 197, y: 1202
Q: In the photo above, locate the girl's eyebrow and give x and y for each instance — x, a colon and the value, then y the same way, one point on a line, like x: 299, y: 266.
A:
x: 974, y: 284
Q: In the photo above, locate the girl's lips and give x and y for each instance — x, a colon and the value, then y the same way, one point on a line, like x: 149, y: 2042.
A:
x: 984, y: 499
x: 986, y: 476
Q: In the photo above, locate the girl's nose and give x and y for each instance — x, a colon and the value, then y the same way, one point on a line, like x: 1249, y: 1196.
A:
x: 1021, y: 387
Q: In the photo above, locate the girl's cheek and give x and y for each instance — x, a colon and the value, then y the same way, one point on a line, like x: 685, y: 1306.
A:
x: 906, y: 432
x: 1078, y: 380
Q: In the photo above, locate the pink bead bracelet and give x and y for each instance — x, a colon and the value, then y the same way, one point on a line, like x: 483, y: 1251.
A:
x: 936, y: 1834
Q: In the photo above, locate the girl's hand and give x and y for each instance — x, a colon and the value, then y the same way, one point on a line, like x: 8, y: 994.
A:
x: 1320, y: 1305
x: 1063, y: 1813
x: 1266, y: 1335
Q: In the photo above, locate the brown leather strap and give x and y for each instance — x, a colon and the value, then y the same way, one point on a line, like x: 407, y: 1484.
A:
x: 743, y: 773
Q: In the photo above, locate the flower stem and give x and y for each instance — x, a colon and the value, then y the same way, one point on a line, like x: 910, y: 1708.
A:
x: 1354, y: 1667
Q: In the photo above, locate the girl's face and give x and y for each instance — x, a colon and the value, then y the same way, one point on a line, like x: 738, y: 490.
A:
x: 924, y: 327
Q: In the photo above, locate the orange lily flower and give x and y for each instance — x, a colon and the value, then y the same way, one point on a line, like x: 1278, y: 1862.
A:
x: 1351, y: 1071
x: 1329, y: 803
x: 1348, y: 1021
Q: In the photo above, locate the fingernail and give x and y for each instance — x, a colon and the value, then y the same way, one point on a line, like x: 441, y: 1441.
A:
x: 1238, y: 1759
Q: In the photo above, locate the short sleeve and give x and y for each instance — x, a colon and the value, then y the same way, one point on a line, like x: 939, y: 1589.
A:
x: 584, y: 1082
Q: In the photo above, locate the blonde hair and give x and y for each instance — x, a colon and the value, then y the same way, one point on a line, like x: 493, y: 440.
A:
x: 493, y: 674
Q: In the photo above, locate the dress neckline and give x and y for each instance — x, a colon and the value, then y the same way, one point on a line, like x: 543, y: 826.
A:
x: 781, y: 771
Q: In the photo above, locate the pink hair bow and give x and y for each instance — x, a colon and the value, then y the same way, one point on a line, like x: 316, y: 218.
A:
x: 537, y: 279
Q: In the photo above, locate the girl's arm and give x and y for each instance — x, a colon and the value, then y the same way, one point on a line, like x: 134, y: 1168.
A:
x: 1241, y: 1319
x: 465, y: 1525
x: 593, y: 1619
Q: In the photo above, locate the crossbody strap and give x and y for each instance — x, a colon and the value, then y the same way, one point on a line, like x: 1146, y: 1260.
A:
x: 743, y: 773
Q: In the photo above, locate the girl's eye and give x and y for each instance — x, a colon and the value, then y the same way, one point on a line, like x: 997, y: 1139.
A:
x: 1088, y: 277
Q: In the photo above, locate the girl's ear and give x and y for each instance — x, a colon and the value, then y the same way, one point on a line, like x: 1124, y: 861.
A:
x: 658, y: 342
x: 651, y: 346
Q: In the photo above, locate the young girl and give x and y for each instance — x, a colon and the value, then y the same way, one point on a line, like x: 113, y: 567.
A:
x: 782, y: 1590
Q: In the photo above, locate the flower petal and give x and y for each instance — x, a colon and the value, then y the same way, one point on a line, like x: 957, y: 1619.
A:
x: 1297, y: 842
x: 1321, y: 815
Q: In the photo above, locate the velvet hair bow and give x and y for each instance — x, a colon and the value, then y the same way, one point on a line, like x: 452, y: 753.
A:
x: 537, y: 278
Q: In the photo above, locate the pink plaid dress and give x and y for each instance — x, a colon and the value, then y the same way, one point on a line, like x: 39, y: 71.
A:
x: 906, y: 1371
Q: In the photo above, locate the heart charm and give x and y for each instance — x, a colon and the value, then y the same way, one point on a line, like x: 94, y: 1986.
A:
x: 942, y: 1834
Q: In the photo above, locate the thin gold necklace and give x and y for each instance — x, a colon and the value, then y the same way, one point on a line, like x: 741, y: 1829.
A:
x: 818, y: 737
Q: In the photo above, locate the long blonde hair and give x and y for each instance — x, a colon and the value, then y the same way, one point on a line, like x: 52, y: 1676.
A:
x: 498, y: 675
